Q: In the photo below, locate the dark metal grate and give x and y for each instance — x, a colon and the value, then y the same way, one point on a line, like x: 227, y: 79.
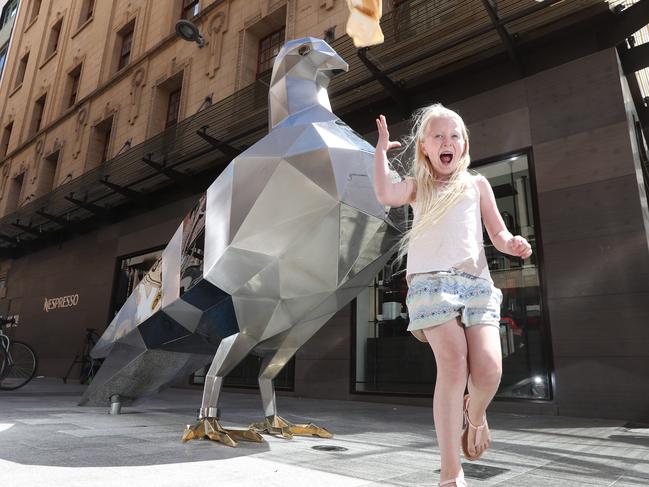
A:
x: 480, y: 472
x: 329, y: 448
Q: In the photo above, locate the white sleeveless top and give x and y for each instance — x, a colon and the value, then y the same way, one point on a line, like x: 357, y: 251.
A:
x: 455, y: 241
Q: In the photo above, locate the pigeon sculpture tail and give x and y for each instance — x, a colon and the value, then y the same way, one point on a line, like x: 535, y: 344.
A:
x: 288, y: 234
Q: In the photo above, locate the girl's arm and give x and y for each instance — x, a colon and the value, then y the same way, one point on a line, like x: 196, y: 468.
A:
x: 502, y: 239
x: 387, y: 192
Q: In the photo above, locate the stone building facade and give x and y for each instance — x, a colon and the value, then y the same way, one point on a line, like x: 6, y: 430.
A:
x: 87, y: 77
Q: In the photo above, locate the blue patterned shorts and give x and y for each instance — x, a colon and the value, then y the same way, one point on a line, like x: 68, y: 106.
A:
x: 437, y: 297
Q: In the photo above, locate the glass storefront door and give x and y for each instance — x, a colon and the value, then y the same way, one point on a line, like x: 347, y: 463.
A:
x: 131, y: 270
x: 390, y: 360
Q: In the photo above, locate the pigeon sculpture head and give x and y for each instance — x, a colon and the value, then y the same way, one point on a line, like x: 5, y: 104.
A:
x: 303, y: 67
x: 308, y: 58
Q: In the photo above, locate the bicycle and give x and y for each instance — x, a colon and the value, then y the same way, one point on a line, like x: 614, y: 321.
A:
x: 89, y: 365
x: 17, y: 359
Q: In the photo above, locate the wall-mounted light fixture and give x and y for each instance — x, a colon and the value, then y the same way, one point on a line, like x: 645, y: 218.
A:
x: 207, y: 102
x: 188, y: 31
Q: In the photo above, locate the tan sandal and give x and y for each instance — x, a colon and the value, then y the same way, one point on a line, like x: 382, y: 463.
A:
x: 458, y: 481
x: 465, y: 433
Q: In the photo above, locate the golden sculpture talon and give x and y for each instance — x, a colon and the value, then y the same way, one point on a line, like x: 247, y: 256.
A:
x: 275, y: 425
x: 211, y: 429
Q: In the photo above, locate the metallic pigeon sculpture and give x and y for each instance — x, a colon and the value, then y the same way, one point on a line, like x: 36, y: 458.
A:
x: 288, y: 234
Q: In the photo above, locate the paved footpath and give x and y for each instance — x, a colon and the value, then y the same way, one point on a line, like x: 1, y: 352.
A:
x: 46, y: 440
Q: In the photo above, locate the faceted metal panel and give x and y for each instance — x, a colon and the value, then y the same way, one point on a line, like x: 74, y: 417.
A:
x: 287, y: 235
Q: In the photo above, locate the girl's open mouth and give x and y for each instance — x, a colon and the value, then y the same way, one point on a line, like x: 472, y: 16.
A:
x: 446, y: 158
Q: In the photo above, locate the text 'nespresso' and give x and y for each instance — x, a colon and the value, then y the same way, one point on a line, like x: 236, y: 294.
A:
x: 62, y: 302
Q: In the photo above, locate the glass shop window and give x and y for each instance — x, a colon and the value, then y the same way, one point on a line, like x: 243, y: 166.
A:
x: 9, y: 11
x: 389, y: 360
x: 130, y: 271
x: 245, y: 374
x: 3, y: 57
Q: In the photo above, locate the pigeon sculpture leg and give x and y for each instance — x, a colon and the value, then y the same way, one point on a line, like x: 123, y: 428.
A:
x: 232, y: 350
x: 271, y: 365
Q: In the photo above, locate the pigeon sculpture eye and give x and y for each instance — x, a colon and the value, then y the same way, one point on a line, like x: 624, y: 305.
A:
x: 304, y: 49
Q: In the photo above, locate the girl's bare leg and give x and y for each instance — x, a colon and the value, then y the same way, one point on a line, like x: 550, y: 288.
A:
x: 449, y: 345
x: 485, y: 371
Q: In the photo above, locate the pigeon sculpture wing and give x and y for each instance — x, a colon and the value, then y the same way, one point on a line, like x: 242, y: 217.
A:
x: 292, y: 233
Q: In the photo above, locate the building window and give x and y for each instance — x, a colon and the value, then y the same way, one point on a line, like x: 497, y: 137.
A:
x: 165, y: 109
x: 87, y: 11
x: 72, y: 89
x: 190, y: 9
x: 125, y: 44
x: 269, y: 47
x: 6, y: 137
x: 99, y: 147
x: 105, y: 143
x: 390, y: 360
x: 47, y: 174
x: 8, y: 12
x: 3, y: 58
x: 13, y: 193
x: 22, y: 68
x: 37, y: 118
x: 131, y: 271
x: 55, y: 35
x: 36, y: 8
x: 173, y: 107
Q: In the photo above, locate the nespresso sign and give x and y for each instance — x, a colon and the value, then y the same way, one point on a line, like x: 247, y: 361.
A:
x: 62, y: 302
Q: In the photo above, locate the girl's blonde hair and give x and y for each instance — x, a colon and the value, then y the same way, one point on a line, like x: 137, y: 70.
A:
x: 433, y: 200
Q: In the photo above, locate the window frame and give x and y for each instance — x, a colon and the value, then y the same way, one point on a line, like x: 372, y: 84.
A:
x: 35, y: 10
x: 74, y: 81
x: 87, y: 11
x: 51, y: 162
x: 126, y: 36
x: 21, y: 71
x: 175, y: 97
x: 37, y: 121
x: 191, y: 7
x: 266, y: 65
x: 4, y: 52
x: 54, y: 39
x: 7, y: 132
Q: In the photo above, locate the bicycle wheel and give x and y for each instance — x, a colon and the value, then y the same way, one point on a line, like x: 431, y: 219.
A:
x: 22, y: 369
x: 3, y: 357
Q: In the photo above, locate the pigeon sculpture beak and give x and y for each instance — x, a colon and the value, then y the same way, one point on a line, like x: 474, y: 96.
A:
x: 335, y: 65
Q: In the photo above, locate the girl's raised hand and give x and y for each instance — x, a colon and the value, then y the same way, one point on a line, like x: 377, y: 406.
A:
x: 384, y: 144
x: 519, y: 247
